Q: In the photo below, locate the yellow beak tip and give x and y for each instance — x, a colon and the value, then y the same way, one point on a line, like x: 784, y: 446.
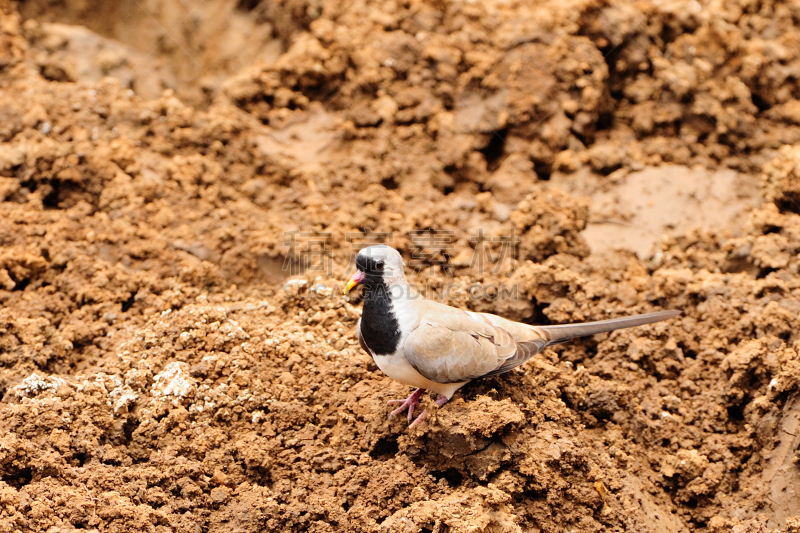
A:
x: 350, y: 285
x: 357, y: 278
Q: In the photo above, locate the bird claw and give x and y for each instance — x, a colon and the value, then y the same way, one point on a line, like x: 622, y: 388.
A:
x: 418, y: 420
x: 409, y: 403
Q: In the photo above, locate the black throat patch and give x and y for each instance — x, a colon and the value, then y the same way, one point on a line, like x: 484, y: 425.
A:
x: 380, y: 329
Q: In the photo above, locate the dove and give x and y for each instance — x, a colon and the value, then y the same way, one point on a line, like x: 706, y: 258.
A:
x: 435, y: 347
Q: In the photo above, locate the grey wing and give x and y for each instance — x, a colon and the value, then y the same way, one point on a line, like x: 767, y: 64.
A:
x: 452, y: 346
x: 525, y: 351
x: 446, y: 356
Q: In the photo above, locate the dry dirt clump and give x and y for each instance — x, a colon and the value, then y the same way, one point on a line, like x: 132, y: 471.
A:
x: 781, y: 181
x: 164, y: 366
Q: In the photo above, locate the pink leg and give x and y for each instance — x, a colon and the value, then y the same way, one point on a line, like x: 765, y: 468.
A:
x: 409, y: 403
x: 440, y: 401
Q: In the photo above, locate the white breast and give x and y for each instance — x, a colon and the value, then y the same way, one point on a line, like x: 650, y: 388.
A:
x: 399, y: 369
x: 396, y: 366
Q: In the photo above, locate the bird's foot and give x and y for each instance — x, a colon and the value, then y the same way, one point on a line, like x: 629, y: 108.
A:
x: 440, y: 401
x: 409, y: 403
x: 418, y: 420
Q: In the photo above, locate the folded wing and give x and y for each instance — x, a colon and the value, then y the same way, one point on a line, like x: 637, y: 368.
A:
x: 452, y: 346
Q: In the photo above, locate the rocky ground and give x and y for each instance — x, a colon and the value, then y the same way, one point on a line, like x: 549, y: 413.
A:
x: 162, y: 370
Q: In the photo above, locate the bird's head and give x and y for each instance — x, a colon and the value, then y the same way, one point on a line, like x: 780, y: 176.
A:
x: 374, y: 264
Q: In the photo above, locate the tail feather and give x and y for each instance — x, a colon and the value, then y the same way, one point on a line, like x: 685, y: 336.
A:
x: 549, y: 335
x: 563, y: 333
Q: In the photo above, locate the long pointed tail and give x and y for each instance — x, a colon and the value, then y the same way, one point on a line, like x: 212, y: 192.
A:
x: 563, y: 333
x: 548, y: 335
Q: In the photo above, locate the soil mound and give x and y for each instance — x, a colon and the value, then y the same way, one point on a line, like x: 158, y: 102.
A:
x: 183, y: 187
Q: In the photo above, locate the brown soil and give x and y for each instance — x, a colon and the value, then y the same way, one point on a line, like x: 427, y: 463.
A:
x: 159, y: 371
